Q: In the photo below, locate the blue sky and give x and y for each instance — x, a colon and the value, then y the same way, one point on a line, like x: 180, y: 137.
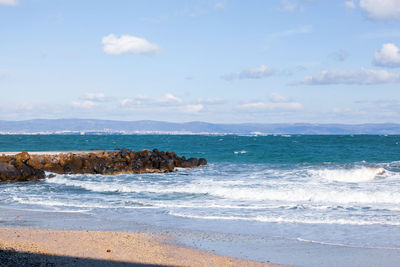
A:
x: 314, y: 61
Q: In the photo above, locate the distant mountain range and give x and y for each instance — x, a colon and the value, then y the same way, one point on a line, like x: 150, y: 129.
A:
x: 92, y: 126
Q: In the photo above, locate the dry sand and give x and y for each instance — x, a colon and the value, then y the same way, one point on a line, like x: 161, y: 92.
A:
x: 34, y: 247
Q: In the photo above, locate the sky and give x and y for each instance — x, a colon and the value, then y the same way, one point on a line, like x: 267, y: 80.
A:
x: 221, y: 61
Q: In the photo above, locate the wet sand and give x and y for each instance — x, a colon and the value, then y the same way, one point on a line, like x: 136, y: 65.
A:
x: 21, y: 246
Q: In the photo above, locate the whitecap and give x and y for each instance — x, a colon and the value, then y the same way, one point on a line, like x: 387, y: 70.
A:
x: 277, y: 219
x: 355, y: 175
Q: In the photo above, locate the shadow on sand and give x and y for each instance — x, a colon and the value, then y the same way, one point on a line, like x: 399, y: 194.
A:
x: 10, y: 258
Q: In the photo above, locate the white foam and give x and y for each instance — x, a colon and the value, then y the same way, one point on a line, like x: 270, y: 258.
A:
x: 72, y: 204
x: 356, y: 175
x: 278, y: 219
x: 240, y: 152
x: 293, y: 193
x: 342, y: 245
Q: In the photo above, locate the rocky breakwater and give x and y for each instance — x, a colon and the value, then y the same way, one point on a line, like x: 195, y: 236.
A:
x: 32, y: 166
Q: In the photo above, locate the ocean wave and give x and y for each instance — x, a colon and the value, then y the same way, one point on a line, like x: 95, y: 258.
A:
x: 253, y: 190
x: 277, y: 219
x: 343, y: 245
x: 354, y: 175
x: 77, y: 204
x: 207, y: 188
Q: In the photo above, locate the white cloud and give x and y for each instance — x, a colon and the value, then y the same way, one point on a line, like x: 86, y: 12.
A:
x: 166, y: 103
x: 381, y: 9
x: 90, y: 100
x: 258, y: 72
x: 350, y: 4
x: 138, y: 100
x: 363, y: 77
x: 114, y: 45
x: 126, y: 101
x: 277, y: 98
x: 388, y: 56
x: 276, y: 102
x: 195, y: 108
x: 169, y: 99
x: 262, y: 106
x: 140, y: 97
x: 145, y: 101
x: 9, y: 2
x: 84, y: 104
x: 387, y: 33
x: 221, y: 5
x: 96, y: 97
x: 293, y: 5
x: 288, y: 6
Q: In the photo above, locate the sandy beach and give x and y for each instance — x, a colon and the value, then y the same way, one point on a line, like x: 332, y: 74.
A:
x: 27, y: 246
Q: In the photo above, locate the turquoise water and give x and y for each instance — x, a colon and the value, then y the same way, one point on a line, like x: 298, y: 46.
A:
x: 337, y: 190
x: 250, y: 149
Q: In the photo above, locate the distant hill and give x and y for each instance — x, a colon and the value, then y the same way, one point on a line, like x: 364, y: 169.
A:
x: 91, y: 126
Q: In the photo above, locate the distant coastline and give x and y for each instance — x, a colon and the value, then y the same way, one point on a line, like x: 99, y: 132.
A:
x: 105, y: 127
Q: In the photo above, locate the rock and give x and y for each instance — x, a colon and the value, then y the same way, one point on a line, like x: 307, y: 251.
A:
x: 164, y: 156
x: 99, y: 166
x: 202, y: 161
x: 8, y: 171
x: 36, y: 162
x: 193, y: 162
x: 171, y: 154
x: 185, y: 164
x: 123, y: 152
x: 22, y: 172
x: 26, y: 167
x: 22, y: 157
x: 167, y: 165
x: 51, y: 175
x: 148, y: 164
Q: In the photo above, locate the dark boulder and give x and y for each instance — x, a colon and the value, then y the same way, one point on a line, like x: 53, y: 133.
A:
x: 193, y: 162
x: 25, y: 166
x: 8, y: 171
x: 22, y: 157
x: 202, y: 161
x: 22, y: 172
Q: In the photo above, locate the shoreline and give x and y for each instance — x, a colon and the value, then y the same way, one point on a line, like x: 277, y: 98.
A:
x: 213, y: 239
x: 106, y: 248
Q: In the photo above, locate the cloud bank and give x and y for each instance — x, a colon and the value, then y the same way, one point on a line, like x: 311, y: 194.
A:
x: 363, y: 77
x: 276, y: 103
x: 8, y: 2
x: 258, y: 72
x: 167, y: 102
x: 350, y: 4
x: 126, y: 44
x: 388, y: 56
x: 381, y: 9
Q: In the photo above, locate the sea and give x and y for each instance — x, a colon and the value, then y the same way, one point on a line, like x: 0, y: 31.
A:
x: 306, y: 200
